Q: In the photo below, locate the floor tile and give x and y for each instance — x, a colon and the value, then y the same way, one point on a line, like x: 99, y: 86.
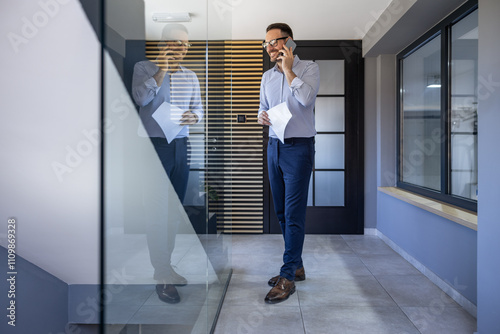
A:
x: 166, y: 314
x: 257, y: 264
x: 120, y: 313
x: 191, y: 295
x: 333, y: 266
x: 356, y: 320
x: 243, y: 278
x: 355, y: 291
x: 260, y: 318
x: 324, y: 237
x: 439, y: 319
x: 368, y: 245
x: 114, y: 329
x: 388, y: 264
x: 415, y: 290
x: 163, y: 329
x: 242, y: 294
x: 133, y: 294
x: 325, y: 244
x: 263, y: 244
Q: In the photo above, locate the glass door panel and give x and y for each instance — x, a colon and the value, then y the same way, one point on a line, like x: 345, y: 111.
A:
x: 328, y: 173
x: 329, y: 151
x: 329, y: 114
x: 166, y: 266
x: 332, y: 77
x: 329, y: 188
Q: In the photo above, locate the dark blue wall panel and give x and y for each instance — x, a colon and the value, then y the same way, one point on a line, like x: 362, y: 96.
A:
x: 41, y: 300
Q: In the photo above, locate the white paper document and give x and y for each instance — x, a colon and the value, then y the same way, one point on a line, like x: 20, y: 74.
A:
x: 168, y: 117
x: 279, y: 116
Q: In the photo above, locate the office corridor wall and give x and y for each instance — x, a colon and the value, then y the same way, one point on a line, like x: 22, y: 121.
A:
x: 49, y: 134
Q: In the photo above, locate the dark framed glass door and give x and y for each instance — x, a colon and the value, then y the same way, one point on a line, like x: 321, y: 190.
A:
x: 335, y: 202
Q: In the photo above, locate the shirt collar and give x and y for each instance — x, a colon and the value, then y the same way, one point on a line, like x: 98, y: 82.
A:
x: 181, y: 69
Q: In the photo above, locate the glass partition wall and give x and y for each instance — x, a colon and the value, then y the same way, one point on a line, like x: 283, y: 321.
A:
x: 166, y: 266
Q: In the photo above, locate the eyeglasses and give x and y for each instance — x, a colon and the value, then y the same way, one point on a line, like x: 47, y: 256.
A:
x: 175, y: 44
x: 273, y: 42
x: 185, y: 44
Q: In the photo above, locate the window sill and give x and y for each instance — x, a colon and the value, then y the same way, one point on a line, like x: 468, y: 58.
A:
x: 458, y: 215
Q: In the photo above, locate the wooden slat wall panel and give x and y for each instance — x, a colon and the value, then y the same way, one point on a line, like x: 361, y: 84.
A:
x: 230, y: 74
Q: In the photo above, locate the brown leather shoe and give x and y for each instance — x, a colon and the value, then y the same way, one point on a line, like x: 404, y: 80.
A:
x: 281, y: 291
x: 300, y: 275
x: 168, y: 293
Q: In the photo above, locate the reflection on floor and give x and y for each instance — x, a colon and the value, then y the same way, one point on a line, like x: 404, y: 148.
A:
x: 127, y: 255
x: 131, y: 303
x: 355, y: 284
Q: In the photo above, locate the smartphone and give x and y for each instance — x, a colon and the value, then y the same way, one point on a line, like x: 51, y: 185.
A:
x: 290, y: 44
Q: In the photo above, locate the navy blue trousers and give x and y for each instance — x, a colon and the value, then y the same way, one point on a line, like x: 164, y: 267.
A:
x: 174, y: 159
x: 161, y: 231
x: 289, y: 167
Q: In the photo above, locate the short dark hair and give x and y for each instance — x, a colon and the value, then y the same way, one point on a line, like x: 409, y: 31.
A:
x: 285, y: 29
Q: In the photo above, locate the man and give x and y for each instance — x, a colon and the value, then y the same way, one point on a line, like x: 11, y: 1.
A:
x: 154, y: 83
x: 295, y: 82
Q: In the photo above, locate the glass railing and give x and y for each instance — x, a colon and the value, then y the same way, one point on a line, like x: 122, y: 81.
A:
x: 166, y: 267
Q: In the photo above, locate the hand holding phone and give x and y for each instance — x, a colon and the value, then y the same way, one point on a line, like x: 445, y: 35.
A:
x: 164, y: 58
x: 286, y: 58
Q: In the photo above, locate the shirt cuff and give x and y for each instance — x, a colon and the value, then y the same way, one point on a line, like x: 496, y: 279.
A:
x: 296, y: 83
x: 151, y: 84
x: 199, y: 114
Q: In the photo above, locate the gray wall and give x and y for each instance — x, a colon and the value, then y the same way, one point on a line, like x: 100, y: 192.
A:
x: 370, y: 144
x: 386, y: 120
x: 380, y: 137
x: 49, y: 139
x: 50, y: 147
x: 489, y: 159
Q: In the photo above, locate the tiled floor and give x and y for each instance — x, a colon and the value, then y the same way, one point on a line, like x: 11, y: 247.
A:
x: 355, y: 284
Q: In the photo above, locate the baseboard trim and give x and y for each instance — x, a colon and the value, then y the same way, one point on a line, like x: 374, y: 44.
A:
x: 371, y: 231
x: 443, y: 285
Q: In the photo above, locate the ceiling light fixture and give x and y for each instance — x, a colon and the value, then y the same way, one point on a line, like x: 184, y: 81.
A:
x: 172, y: 17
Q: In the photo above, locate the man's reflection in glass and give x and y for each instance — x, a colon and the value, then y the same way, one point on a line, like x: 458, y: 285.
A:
x: 158, y: 84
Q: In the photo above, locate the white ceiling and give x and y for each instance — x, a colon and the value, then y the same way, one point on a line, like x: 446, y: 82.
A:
x: 248, y: 19
x: 402, y: 20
